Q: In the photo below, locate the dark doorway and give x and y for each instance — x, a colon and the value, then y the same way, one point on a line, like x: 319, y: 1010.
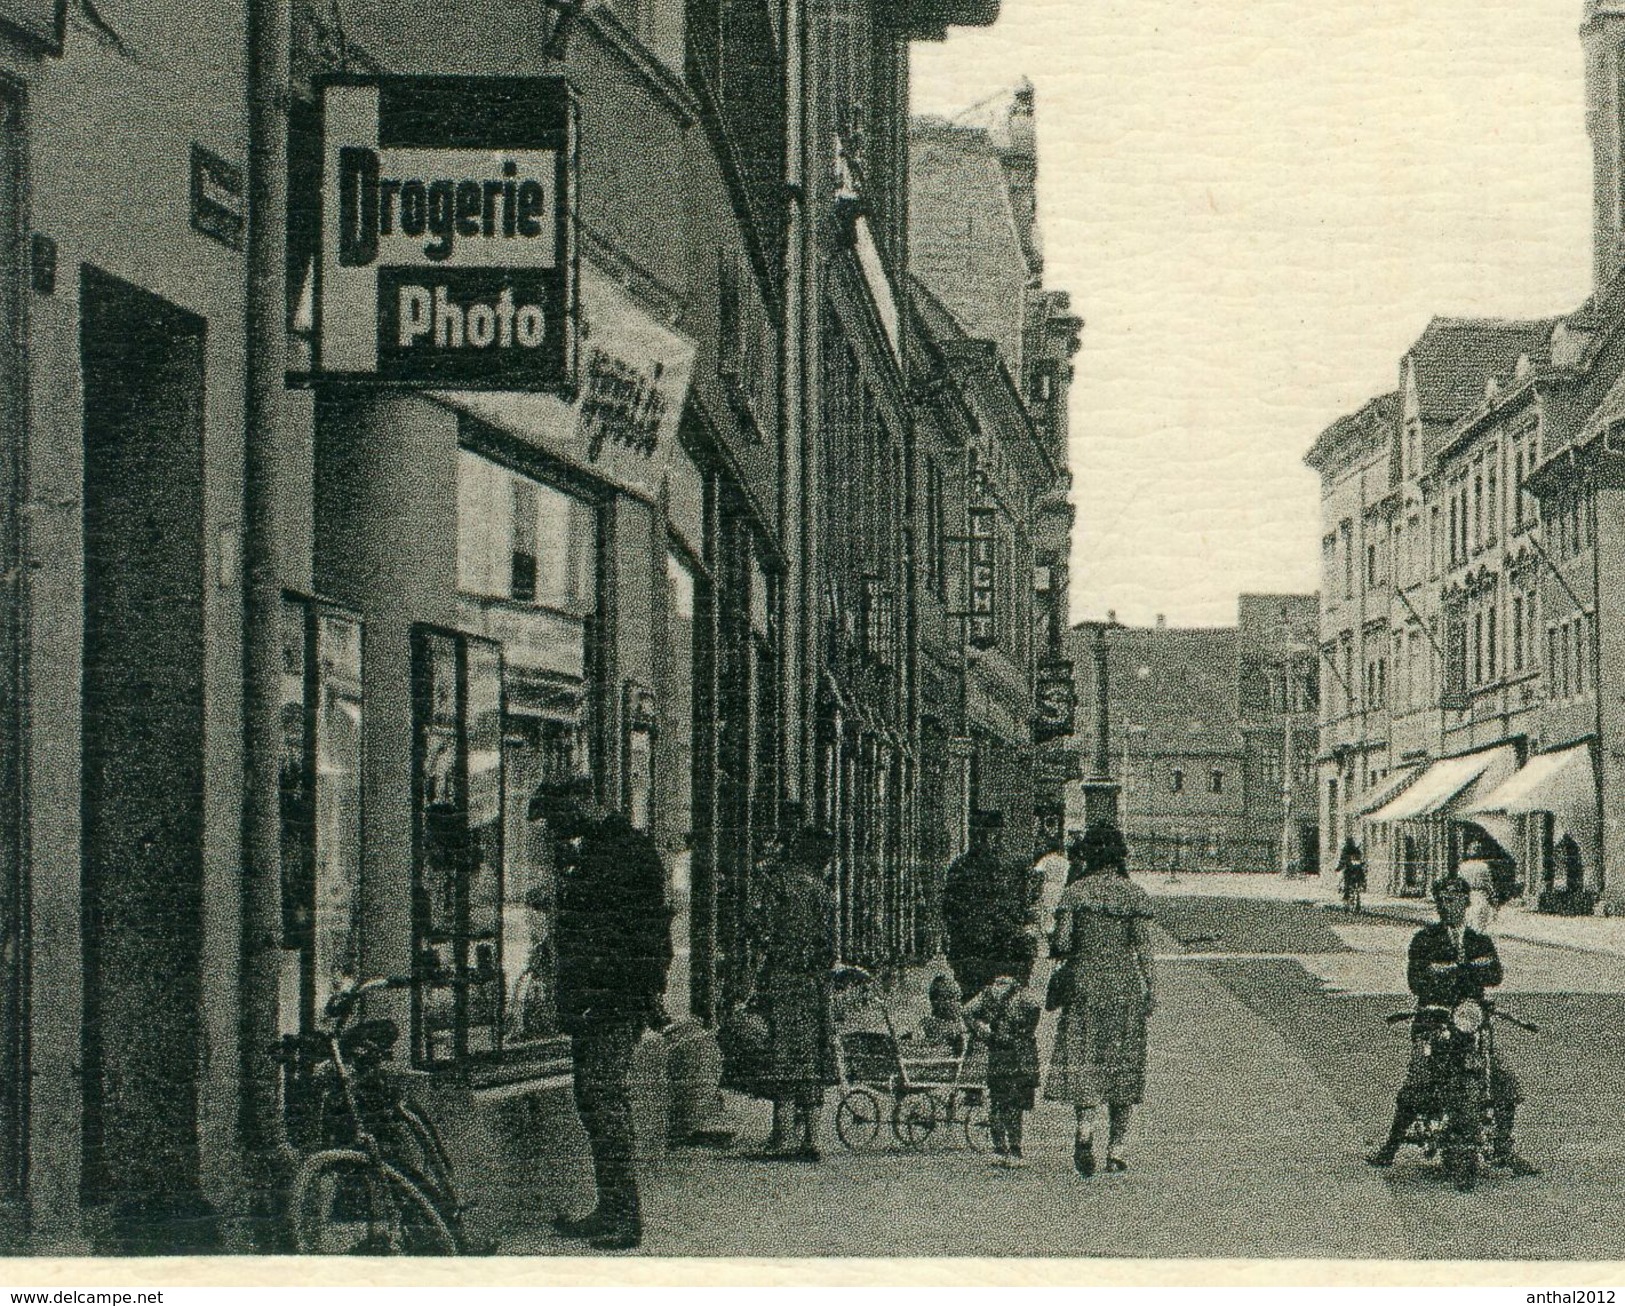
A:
x: 143, y: 365
x: 1309, y: 849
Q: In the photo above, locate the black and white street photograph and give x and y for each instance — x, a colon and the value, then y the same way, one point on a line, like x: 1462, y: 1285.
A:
x: 657, y: 632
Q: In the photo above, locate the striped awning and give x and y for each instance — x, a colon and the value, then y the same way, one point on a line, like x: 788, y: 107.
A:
x: 1448, y: 783
x: 1563, y: 782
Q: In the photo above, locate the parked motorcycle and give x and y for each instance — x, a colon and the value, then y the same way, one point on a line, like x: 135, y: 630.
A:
x: 1458, y: 1125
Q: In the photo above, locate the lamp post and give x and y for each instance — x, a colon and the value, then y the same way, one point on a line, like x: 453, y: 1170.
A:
x: 1293, y: 654
x: 1100, y: 792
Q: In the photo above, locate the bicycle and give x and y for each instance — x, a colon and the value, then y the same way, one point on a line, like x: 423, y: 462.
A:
x: 381, y: 1184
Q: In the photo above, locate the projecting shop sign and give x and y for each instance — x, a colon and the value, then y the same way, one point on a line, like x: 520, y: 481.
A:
x: 447, y: 233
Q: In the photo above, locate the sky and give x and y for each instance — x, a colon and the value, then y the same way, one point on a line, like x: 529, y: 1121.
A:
x: 1257, y: 207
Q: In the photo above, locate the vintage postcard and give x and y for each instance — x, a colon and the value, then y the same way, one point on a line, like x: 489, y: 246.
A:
x: 816, y: 639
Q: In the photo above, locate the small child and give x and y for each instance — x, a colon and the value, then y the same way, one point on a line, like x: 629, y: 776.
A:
x: 1005, y: 1016
x: 945, y: 1026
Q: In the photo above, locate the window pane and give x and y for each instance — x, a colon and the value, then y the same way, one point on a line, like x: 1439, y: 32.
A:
x: 441, y: 823
x: 482, y: 940
x: 338, y: 804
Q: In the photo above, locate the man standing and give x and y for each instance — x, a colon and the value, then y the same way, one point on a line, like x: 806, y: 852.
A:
x: 1448, y: 962
x: 614, y: 946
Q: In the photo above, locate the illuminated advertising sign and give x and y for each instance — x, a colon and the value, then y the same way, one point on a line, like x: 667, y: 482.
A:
x: 447, y: 248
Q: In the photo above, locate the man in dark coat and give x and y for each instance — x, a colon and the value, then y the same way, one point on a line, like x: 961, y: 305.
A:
x: 1448, y: 962
x: 614, y: 946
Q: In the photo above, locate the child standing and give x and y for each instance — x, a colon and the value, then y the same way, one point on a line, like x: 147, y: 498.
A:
x: 1005, y: 1016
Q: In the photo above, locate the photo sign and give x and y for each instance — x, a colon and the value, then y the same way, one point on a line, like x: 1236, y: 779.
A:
x: 447, y: 252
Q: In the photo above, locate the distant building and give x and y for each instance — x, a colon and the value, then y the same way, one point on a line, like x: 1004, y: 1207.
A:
x: 1209, y: 728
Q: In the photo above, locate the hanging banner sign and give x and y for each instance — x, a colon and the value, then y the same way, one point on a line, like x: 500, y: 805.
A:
x: 1057, y: 702
x: 622, y: 422
x: 984, y: 545
x: 447, y: 233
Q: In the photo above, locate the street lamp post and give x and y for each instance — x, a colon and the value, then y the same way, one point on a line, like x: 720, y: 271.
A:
x: 1101, y: 793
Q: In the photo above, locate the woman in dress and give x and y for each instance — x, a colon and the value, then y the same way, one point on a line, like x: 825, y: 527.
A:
x: 1102, y: 935
x: 793, y: 986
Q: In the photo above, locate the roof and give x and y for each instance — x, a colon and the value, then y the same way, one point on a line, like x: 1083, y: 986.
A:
x: 1175, y: 686
x: 1455, y: 356
x: 1374, y: 417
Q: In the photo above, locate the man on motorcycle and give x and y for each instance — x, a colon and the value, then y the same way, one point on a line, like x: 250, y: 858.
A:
x: 1448, y: 962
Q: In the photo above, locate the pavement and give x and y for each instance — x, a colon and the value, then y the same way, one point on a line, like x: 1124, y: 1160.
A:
x: 1270, y: 1072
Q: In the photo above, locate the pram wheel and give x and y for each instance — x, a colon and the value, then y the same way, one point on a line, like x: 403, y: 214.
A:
x: 914, y: 1118
x: 969, y: 1107
x: 857, y: 1119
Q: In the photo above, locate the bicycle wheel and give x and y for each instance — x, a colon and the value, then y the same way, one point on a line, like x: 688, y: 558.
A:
x: 345, y: 1204
x: 424, y: 1156
x: 914, y: 1118
x: 970, y: 1108
x: 857, y: 1119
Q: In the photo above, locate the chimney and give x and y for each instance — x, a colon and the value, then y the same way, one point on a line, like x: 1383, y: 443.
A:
x: 1162, y: 622
x: 1111, y: 616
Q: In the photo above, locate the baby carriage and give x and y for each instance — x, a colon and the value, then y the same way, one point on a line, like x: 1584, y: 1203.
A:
x: 934, y: 1093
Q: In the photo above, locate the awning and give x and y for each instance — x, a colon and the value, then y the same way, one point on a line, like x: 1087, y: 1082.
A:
x: 1396, y: 785
x: 1562, y: 782
x: 1446, y: 781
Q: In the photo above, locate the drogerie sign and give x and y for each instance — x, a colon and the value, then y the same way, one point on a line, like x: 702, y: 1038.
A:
x: 447, y: 248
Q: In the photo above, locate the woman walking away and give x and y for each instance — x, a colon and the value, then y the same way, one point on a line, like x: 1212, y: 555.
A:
x: 1351, y: 869
x: 1004, y: 1015
x: 1106, y: 991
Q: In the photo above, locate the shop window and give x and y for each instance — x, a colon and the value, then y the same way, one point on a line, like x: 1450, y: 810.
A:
x: 457, y: 888
x: 320, y: 786
x: 527, y: 572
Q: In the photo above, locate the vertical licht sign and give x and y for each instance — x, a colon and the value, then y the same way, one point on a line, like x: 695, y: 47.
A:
x: 448, y: 253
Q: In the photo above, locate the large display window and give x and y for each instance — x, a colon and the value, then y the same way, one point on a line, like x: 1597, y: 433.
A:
x: 502, y: 705
x: 458, y: 881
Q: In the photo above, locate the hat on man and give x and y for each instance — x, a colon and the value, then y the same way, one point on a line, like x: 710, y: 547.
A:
x: 575, y: 790
x: 1451, y: 886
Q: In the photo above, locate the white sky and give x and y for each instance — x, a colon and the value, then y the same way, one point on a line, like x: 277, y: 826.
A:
x: 1257, y: 206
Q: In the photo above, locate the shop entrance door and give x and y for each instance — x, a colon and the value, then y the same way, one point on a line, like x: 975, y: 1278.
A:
x: 142, y: 798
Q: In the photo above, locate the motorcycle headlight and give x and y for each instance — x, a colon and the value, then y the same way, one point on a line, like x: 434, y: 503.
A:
x: 1468, y: 1016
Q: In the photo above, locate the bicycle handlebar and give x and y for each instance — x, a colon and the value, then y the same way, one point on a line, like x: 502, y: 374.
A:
x: 344, y: 1001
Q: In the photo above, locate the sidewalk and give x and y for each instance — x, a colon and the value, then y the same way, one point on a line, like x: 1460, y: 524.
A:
x: 1237, y: 1152
x: 1600, y: 934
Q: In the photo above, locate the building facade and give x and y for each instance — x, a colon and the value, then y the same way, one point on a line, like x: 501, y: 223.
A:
x: 998, y: 371
x: 1211, y: 735
x: 287, y: 657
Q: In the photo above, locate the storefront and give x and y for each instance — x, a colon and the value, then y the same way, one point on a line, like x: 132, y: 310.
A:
x: 509, y: 589
x: 1545, y: 815
x: 1425, y: 820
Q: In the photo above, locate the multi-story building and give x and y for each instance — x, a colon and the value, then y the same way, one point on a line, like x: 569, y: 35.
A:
x: 1277, y: 692
x: 1469, y: 521
x: 1001, y: 345
x: 286, y: 662
x: 1212, y: 735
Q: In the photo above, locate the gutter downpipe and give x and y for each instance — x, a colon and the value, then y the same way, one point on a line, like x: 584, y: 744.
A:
x: 1596, y: 680
x: 266, y: 477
